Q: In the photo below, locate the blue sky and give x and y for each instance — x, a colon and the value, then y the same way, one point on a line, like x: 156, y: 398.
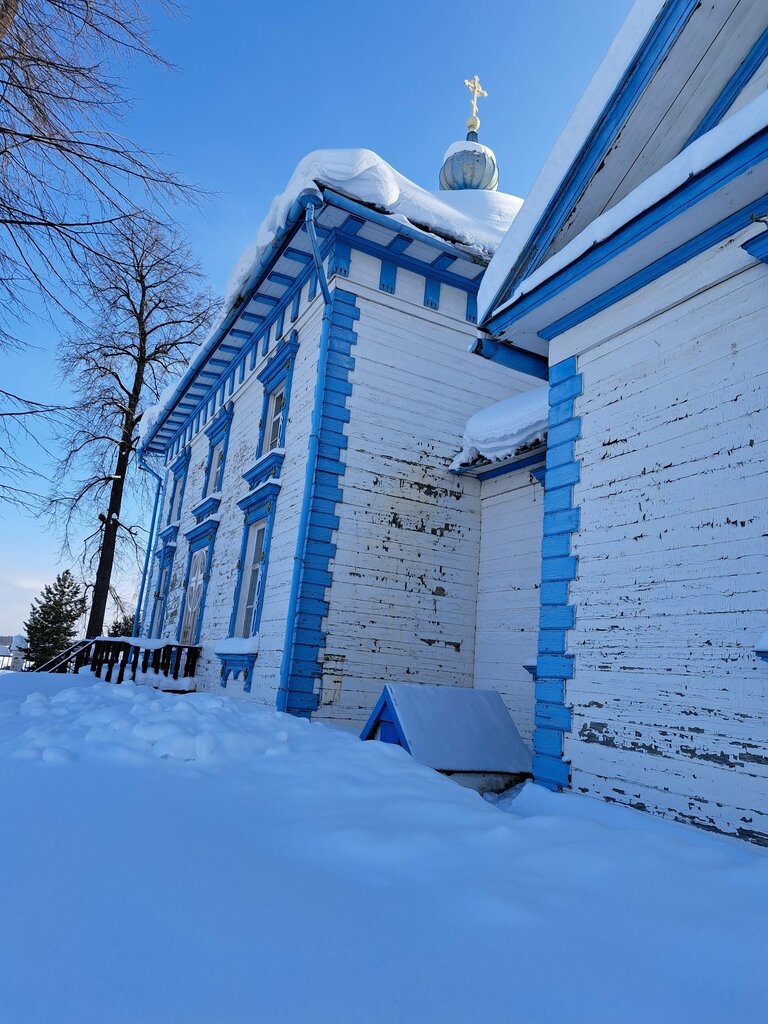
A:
x: 262, y: 84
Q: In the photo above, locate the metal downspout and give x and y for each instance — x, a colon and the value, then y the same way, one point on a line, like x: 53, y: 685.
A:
x: 141, y: 613
x: 311, y: 201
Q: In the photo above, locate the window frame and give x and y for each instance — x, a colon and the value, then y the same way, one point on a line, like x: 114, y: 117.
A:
x: 244, y: 623
x: 258, y: 506
x: 160, y: 598
x: 201, y: 537
x: 218, y: 439
x: 277, y: 372
x: 178, y: 470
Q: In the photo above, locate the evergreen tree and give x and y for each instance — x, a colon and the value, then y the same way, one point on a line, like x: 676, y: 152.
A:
x: 122, y: 625
x: 52, y: 624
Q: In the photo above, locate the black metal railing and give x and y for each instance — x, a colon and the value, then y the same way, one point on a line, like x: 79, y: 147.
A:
x: 118, y: 660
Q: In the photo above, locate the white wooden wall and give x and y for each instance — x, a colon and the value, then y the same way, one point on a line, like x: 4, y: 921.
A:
x: 508, y: 592
x: 247, y: 399
x: 402, y: 605
x: 670, y: 703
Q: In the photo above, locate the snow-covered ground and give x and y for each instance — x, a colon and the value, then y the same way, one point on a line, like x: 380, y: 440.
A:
x: 197, y: 858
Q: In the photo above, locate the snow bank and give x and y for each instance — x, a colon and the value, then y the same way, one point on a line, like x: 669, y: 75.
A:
x: 503, y: 429
x: 201, y: 859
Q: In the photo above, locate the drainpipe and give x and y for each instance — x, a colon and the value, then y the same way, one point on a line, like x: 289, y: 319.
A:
x: 150, y: 541
x: 311, y: 201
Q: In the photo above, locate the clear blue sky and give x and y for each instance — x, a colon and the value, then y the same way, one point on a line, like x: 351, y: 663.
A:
x: 260, y: 85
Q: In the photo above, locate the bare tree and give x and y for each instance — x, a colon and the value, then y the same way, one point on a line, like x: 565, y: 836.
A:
x: 65, y: 169
x: 148, y: 308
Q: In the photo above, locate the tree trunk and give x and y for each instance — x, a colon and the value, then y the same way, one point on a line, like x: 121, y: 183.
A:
x: 109, y: 537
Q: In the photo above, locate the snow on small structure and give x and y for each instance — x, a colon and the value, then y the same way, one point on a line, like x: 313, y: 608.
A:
x: 452, y: 729
x: 505, y: 429
x: 238, y: 645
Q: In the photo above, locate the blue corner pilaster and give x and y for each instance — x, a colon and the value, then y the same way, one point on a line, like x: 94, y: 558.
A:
x: 309, y: 638
x: 554, y: 666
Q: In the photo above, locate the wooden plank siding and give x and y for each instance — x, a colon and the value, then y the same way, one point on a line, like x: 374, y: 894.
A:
x: 404, y: 593
x: 508, y: 592
x: 670, y: 704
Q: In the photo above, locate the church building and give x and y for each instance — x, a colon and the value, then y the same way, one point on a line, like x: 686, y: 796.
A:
x: 314, y: 540
x: 639, y: 267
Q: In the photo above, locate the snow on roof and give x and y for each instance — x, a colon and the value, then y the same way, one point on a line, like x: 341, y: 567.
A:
x: 467, y: 146
x: 362, y: 175
x: 570, y: 141
x: 476, y: 222
x: 4, y: 651
x: 695, y: 158
x: 503, y: 429
x: 452, y: 728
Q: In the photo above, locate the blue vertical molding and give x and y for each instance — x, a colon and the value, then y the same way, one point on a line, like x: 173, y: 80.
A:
x: 317, y: 571
x: 554, y: 665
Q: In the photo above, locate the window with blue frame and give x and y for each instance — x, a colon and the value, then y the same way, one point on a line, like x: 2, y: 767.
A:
x: 160, y: 597
x: 276, y: 377
x: 259, y: 517
x: 200, y: 540
x: 178, y: 482
x: 218, y: 437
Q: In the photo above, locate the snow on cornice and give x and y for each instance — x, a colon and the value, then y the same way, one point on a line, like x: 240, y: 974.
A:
x: 475, y: 221
x: 693, y: 160
x: 565, y: 150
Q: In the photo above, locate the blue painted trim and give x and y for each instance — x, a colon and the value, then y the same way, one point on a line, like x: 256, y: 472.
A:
x: 484, y: 472
x: 207, y: 507
x: 665, y: 30
x: 301, y: 676
x: 277, y: 371
x: 218, y: 431
x: 335, y: 246
x: 554, y: 667
x: 200, y: 536
x: 404, y: 231
x: 261, y: 504
x: 165, y: 560
x: 742, y: 76
x: 388, y: 277
x: 266, y: 467
x: 384, y: 712
x: 694, y: 247
x: 178, y: 470
x: 471, y: 307
x: 692, y: 191
x: 237, y: 664
x: 513, y: 358
x: 431, y: 293
x: 757, y: 246
x: 524, y: 463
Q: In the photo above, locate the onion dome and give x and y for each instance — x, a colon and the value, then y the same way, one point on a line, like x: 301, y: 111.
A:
x: 469, y: 164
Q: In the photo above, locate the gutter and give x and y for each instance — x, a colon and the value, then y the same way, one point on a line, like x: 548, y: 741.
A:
x: 294, y: 214
x: 311, y: 202
x: 140, y: 615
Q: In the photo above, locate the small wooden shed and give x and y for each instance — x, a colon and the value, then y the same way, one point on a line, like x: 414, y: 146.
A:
x: 464, y: 733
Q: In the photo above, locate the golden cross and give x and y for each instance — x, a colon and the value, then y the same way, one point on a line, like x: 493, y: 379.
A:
x: 477, y: 90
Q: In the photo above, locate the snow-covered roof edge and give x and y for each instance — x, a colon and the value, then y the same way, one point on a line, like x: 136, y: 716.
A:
x: 504, y: 429
x: 364, y: 177
x: 570, y: 141
x: 693, y: 160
